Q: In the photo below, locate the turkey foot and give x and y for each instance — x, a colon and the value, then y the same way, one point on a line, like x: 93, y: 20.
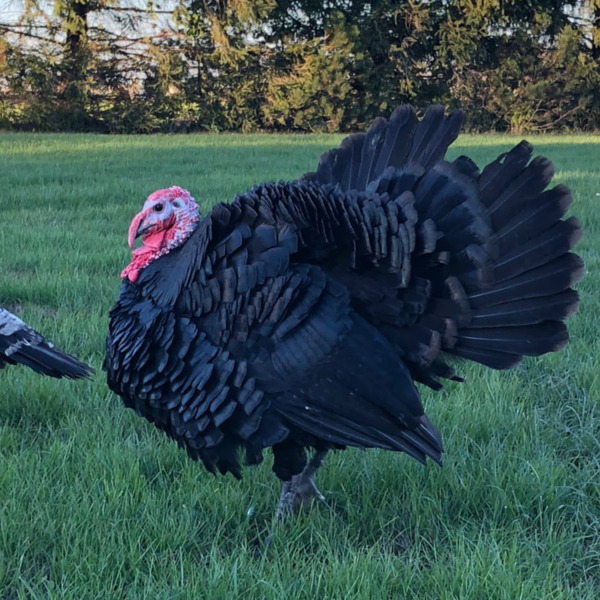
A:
x: 300, y: 490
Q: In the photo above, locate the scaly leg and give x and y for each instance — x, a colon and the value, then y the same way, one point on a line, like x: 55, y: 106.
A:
x: 300, y: 490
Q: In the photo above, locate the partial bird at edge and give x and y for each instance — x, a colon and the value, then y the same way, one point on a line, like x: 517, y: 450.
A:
x: 20, y: 344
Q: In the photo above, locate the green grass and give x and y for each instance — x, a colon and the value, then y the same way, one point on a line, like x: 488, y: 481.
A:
x: 94, y: 503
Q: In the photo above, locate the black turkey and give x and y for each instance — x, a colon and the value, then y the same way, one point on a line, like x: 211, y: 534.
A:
x: 298, y: 316
x: 20, y: 344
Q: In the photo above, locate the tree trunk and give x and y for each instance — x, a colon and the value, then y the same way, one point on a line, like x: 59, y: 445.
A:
x: 75, y: 61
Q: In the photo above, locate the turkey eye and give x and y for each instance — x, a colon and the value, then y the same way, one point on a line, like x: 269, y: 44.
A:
x: 158, y: 208
x: 176, y: 204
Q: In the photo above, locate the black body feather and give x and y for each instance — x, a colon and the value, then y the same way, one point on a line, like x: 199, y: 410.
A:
x: 300, y: 315
x: 19, y: 344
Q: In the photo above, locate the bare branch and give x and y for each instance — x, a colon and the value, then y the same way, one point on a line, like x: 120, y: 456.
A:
x: 132, y: 9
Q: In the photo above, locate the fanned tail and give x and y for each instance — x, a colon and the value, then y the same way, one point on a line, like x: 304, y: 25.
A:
x: 492, y: 268
x: 502, y: 267
x: 521, y: 311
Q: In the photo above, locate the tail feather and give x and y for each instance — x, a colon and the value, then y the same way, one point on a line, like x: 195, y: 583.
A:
x: 371, y: 148
x: 394, y: 150
x: 505, y: 168
x: 540, y: 214
x: 434, y: 135
x: 466, y: 166
x: 552, y: 243
x: 527, y: 186
x: 546, y: 280
x: 529, y: 340
x: 355, y: 148
x: 523, y: 312
x: 489, y: 358
x: 333, y: 165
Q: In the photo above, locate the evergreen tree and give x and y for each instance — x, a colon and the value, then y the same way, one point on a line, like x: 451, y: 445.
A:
x: 305, y: 65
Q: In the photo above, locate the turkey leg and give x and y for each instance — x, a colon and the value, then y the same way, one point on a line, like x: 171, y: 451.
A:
x: 300, y: 489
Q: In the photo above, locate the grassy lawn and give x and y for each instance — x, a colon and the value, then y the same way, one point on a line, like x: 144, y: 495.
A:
x: 94, y: 503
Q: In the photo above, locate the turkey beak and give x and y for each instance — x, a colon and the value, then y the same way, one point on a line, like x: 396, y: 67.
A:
x: 138, y: 227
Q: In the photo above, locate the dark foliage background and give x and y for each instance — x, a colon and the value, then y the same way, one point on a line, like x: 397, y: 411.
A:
x: 297, y: 65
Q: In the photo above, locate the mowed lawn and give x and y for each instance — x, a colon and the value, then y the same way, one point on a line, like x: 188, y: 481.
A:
x: 94, y: 503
